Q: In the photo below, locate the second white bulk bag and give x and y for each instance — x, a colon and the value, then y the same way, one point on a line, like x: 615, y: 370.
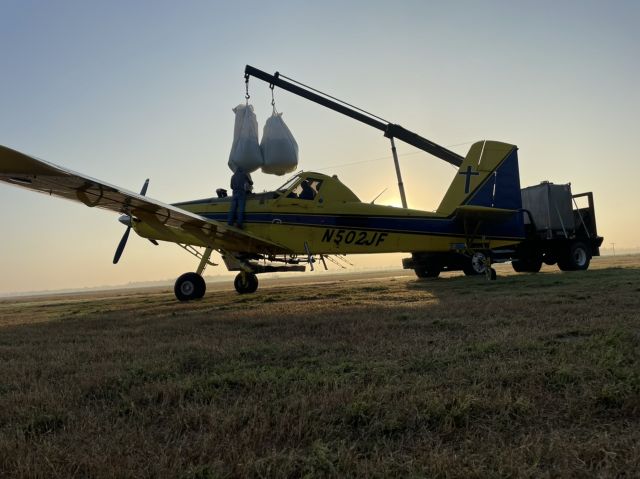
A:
x: 279, y: 147
x: 245, y: 150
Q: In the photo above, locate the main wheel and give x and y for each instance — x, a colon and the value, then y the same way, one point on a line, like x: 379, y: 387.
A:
x: 246, y: 283
x: 189, y: 286
x: 577, y: 258
x: 475, y: 265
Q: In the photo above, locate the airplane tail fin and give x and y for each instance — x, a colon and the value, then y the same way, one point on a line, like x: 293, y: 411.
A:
x: 489, y: 176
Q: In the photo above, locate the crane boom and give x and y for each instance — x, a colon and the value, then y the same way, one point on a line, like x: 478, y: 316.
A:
x: 390, y: 130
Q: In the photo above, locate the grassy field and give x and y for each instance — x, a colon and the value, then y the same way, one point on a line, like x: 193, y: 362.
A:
x: 388, y: 376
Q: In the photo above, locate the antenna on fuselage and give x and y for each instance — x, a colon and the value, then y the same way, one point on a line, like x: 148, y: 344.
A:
x: 379, y: 195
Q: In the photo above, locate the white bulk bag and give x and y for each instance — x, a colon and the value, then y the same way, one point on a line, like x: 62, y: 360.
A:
x: 245, y: 151
x: 279, y: 148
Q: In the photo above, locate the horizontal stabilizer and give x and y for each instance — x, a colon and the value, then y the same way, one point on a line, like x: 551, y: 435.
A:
x: 482, y: 213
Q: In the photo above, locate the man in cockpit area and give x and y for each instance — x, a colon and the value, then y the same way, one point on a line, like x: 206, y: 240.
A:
x: 307, y: 193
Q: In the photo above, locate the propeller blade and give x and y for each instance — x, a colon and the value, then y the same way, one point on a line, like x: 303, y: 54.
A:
x: 126, y: 220
x: 121, y: 245
x: 144, y: 187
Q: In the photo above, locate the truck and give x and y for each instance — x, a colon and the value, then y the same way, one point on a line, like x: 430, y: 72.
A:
x: 557, y: 231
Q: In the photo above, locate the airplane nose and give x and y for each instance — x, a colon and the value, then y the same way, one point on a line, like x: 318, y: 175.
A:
x: 125, y: 220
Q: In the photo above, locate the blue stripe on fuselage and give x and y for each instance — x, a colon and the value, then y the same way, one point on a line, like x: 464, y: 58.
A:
x: 425, y: 225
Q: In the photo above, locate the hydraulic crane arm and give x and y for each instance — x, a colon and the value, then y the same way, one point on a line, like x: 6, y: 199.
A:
x: 390, y: 130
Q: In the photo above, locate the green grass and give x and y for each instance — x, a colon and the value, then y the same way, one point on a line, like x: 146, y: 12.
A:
x: 528, y: 376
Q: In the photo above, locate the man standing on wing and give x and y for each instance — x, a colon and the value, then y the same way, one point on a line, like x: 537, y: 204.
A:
x: 240, y: 184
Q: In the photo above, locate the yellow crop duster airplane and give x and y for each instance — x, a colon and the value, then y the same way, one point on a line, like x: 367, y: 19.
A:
x: 280, y: 228
x: 480, y: 214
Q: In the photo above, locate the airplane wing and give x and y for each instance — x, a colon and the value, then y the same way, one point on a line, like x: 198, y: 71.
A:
x: 170, y: 223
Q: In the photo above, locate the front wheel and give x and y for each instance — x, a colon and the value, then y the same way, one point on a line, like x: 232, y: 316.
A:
x: 246, y: 283
x: 189, y: 286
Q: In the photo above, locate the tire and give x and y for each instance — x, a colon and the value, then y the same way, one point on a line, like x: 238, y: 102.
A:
x: 492, y: 275
x: 246, y: 283
x: 427, y: 271
x: 529, y: 265
x: 189, y: 286
x: 517, y: 266
x: 201, y: 289
x: 564, y: 264
x: 576, y: 258
x: 475, y: 265
x: 550, y: 259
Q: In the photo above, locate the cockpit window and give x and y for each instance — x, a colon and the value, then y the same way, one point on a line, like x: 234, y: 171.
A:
x: 288, y: 184
x: 307, y: 189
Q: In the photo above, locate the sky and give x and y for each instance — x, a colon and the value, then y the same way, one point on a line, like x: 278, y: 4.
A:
x: 123, y: 91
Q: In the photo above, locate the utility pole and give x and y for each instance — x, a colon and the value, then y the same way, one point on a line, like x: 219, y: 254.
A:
x: 613, y: 247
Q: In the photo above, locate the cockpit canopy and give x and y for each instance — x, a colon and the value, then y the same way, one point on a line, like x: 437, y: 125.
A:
x: 318, y: 187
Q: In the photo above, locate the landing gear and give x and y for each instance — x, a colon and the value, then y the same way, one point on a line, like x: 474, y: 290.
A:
x: 480, y: 263
x: 477, y: 264
x: 189, y: 286
x: 246, y: 283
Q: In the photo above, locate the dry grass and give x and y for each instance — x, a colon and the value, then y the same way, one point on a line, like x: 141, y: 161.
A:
x: 529, y: 376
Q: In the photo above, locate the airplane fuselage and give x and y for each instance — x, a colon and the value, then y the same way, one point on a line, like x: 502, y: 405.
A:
x: 337, y: 222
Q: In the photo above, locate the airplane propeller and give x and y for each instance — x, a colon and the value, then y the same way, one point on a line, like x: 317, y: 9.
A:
x: 127, y: 221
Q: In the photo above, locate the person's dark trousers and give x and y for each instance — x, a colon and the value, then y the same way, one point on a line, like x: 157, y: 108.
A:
x: 237, y: 208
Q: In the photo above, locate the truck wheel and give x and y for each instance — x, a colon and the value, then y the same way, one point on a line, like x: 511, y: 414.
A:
x: 550, y: 259
x: 518, y: 266
x: 577, y: 258
x: 430, y: 271
x: 528, y: 265
x: 475, y: 265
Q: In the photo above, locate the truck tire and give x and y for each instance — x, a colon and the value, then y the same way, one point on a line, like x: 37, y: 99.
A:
x: 550, y: 259
x: 430, y: 271
x: 576, y: 258
x: 528, y: 265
